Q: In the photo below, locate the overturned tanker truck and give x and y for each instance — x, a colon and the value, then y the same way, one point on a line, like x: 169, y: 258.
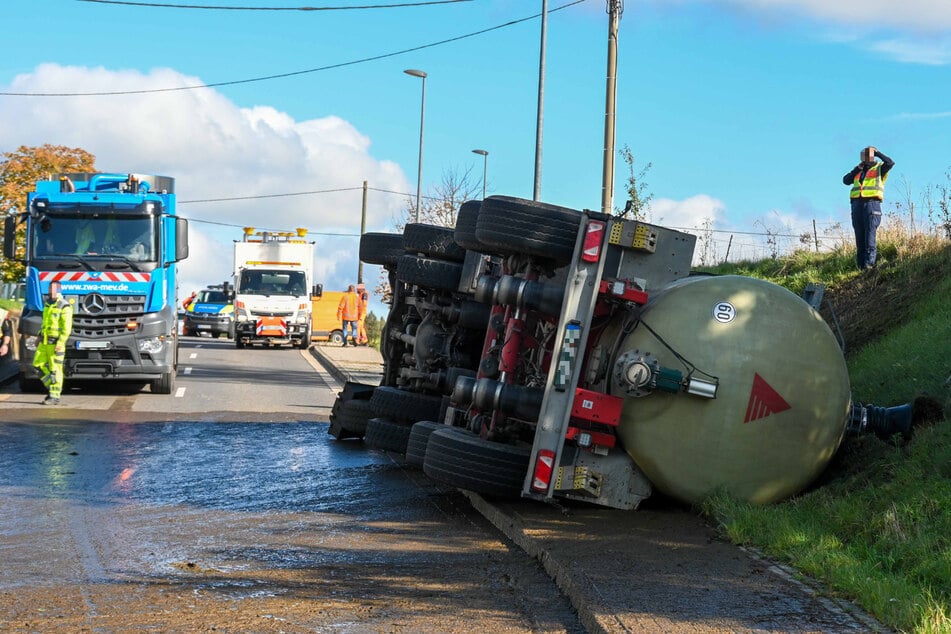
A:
x: 543, y: 352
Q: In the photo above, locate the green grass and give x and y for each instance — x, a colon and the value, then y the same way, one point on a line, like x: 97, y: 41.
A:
x: 877, y: 527
x: 11, y: 304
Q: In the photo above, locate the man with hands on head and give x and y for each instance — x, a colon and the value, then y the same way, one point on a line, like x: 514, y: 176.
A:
x: 868, y: 190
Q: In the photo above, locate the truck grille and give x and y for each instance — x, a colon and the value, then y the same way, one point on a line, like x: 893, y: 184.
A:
x: 106, y: 315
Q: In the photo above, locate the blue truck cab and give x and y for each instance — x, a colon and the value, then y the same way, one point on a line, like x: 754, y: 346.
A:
x: 112, y: 241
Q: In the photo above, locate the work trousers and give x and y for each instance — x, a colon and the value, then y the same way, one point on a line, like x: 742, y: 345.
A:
x: 353, y: 330
x: 866, y: 217
x: 50, y: 364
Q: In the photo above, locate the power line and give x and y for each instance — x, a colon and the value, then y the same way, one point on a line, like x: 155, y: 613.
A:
x: 288, y: 74
x: 257, y: 196
x: 162, y: 5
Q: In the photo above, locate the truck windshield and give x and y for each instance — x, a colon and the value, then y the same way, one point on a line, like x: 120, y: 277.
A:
x: 262, y: 282
x: 133, y: 238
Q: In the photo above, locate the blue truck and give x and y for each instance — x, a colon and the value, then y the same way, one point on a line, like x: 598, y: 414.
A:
x: 112, y: 241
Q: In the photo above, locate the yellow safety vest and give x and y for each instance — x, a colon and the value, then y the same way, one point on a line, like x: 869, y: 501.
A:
x: 57, y: 321
x: 872, y: 187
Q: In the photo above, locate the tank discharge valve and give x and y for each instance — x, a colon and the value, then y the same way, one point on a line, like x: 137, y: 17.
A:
x: 640, y: 373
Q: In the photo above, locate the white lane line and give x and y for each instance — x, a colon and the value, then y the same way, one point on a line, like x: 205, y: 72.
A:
x: 180, y: 392
x: 187, y: 371
x: 193, y: 355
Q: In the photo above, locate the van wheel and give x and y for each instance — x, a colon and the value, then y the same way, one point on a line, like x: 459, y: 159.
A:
x: 336, y: 337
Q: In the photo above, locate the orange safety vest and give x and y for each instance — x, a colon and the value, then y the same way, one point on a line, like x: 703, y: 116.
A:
x: 349, y: 307
x: 872, y: 187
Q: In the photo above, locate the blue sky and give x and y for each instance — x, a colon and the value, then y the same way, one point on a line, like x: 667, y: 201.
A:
x: 750, y: 111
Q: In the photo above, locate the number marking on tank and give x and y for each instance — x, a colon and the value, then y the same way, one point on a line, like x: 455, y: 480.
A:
x: 724, y: 312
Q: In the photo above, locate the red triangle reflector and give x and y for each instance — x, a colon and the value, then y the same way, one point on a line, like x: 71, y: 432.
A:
x: 764, y: 401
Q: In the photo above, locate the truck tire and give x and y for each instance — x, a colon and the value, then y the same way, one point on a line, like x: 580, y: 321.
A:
x: 428, y: 273
x: 510, y: 226
x: 386, y: 434
x: 461, y: 458
x: 384, y: 249
x: 305, y: 340
x: 165, y: 384
x: 465, y: 231
x: 350, y: 421
x: 400, y: 405
x: 418, y: 439
x: 432, y: 241
x: 238, y: 342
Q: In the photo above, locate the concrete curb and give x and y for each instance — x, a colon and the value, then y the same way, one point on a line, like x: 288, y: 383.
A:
x: 329, y: 365
x: 559, y: 574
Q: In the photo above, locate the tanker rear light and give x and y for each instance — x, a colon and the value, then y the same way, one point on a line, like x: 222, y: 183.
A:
x: 593, y: 238
x: 544, y: 469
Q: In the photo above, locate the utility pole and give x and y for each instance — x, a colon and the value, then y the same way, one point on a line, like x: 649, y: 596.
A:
x: 607, y: 180
x: 539, y: 121
x: 363, y: 229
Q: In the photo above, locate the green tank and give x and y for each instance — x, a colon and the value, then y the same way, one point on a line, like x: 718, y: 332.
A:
x: 770, y: 389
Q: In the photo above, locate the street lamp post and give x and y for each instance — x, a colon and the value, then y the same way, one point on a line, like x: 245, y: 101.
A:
x: 422, y: 121
x: 485, y: 167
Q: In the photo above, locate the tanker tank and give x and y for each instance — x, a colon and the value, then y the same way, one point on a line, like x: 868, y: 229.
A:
x: 780, y: 381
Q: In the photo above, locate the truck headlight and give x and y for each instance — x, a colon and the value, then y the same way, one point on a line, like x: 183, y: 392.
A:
x: 152, y: 345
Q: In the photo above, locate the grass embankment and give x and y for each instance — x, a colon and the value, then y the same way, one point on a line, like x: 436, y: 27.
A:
x: 877, y: 527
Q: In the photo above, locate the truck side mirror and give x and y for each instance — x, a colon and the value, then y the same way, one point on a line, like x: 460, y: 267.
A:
x: 317, y: 291
x: 181, y: 239
x: 9, y: 237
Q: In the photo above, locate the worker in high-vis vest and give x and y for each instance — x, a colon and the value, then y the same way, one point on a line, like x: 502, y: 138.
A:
x: 51, y: 345
x: 349, y: 312
x: 362, y: 337
x: 868, y: 191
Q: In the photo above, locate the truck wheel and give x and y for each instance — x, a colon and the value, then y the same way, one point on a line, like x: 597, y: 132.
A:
x: 397, y: 404
x: 384, y: 249
x: 305, y: 340
x: 510, y: 226
x: 418, y: 439
x: 336, y: 337
x: 460, y: 458
x: 350, y: 421
x: 465, y: 232
x: 432, y: 241
x: 30, y: 386
x: 164, y: 385
x: 383, y: 433
x: 429, y: 273
x: 238, y: 342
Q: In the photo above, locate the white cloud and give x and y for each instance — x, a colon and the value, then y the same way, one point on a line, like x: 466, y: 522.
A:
x: 923, y: 15
x: 214, y: 149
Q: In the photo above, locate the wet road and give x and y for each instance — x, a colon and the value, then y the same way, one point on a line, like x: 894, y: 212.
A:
x: 242, y: 527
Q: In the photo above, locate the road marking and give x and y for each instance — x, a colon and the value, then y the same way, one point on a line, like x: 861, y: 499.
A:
x: 187, y: 371
x: 180, y: 392
x: 193, y: 355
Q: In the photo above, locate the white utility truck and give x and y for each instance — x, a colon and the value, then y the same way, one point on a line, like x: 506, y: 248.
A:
x: 273, y: 282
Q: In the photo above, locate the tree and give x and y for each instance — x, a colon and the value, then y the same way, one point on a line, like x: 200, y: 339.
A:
x: 438, y: 208
x: 638, y: 198
x: 19, y: 172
